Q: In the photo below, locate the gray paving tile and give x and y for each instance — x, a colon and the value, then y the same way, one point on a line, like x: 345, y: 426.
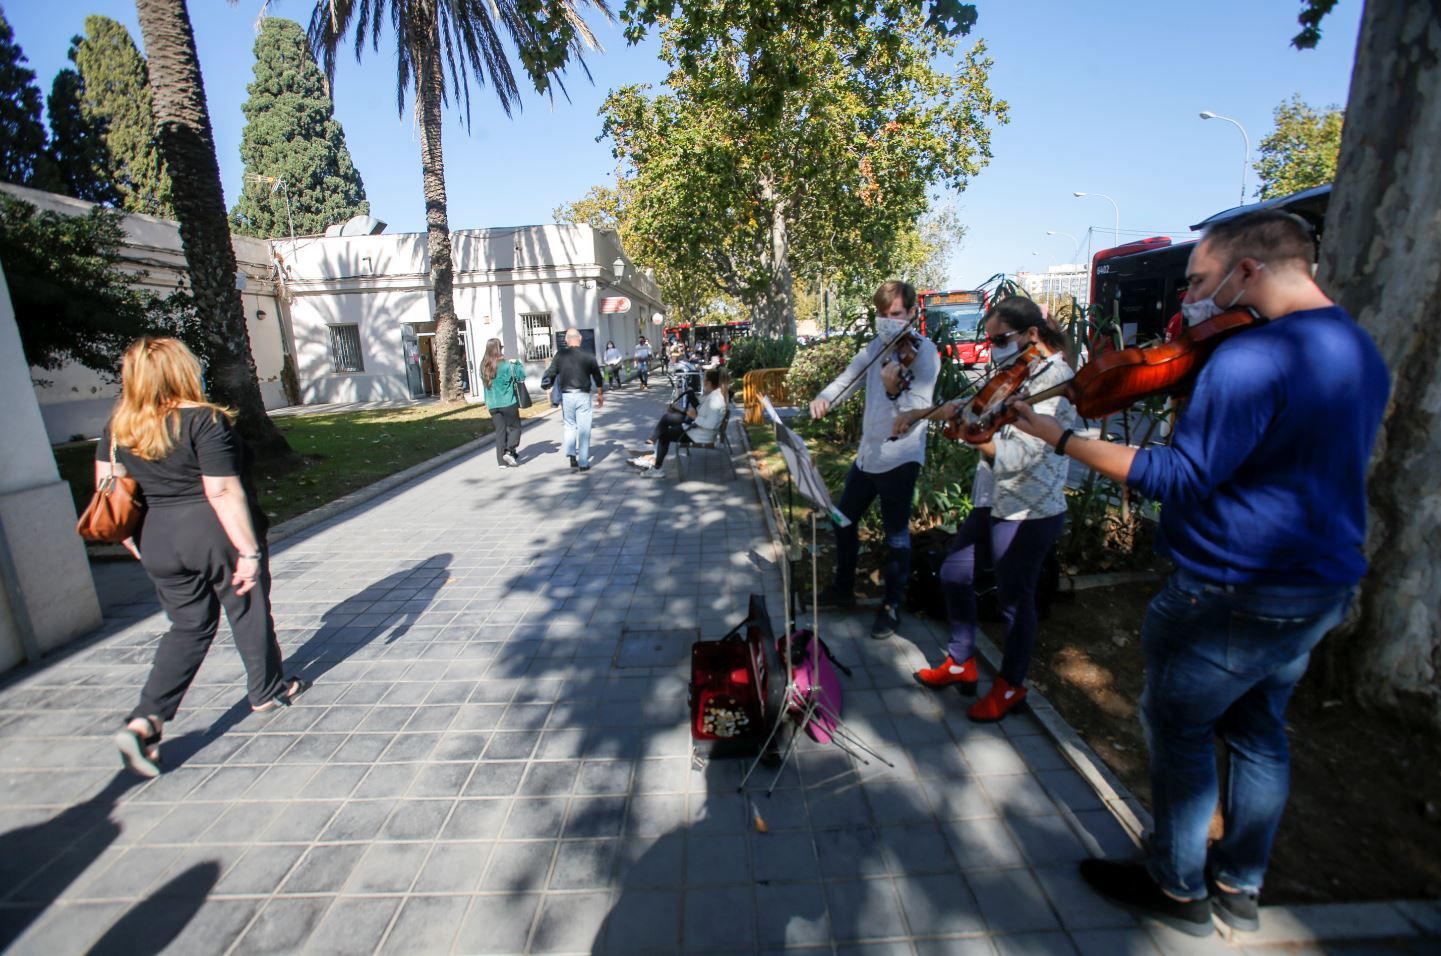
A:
x: 358, y: 820
x: 719, y: 918
x: 283, y: 926
x: 1034, y: 944
x: 643, y: 921
x: 719, y: 858
x: 569, y: 922
x: 784, y: 855
x: 1011, y: 901
x: 649, y: 863
x: 982, y: 844
x: 453, y: 868
x: 1047, y: 840
x: 479, y: 819
x: 975, y: 946
x: 298, y: 822
x: 595, y: 817
x: 324, y: 868
x: 1102, y: 834
x: 584, y: 864
x: 1079, y: 907
x: 865, y: 909
x: 534, y: 818
x: 387, y: 868
x: 1018, y: 794
x: 426, y: 924
x: 850, y: 853
x: 939, y: 905
x: 792, y: 914
x: 1114, y: 942
x: 416, y: 819
x: 260, y: 871
x: 495, y: 779
x: 917, y: 849
x: 73, y: 928
x: 604, y: 777
x: 1070, y: 789
x: 519, y: 867
x: 439, y: 780
x: 353, y: 926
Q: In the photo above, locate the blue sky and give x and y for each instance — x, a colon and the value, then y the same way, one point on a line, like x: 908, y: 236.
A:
x: 1104, y: 98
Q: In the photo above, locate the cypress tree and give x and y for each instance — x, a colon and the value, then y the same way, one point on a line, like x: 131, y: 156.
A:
x: 117, y: 99
x: 291, y: 134
x: 77, y: 143
x: 23, y: 148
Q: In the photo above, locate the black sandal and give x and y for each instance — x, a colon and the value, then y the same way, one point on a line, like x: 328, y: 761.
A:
x: 294, y: 687
x: 135, y: 749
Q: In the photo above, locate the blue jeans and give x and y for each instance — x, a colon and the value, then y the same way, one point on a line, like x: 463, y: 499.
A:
x: 575, y: 411
x: 1015, y: 550
x: 895, y: 488
x: 1222, y: 661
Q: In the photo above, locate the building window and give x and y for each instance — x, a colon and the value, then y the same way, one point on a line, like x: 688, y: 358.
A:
x: 345, y: 348
x: 536, y: 328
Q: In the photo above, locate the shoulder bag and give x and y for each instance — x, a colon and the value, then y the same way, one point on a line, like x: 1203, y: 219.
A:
x: 522, y: 393
x: 115, y: 509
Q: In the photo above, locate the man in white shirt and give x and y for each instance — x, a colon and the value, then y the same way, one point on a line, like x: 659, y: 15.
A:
x: 898, y: 371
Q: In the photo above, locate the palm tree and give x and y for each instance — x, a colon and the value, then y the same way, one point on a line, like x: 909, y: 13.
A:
x: 440, y: 46
x: 182, y: 124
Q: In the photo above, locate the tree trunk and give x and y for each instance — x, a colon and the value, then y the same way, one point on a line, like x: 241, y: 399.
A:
x: 182, y: 124
x: 429, y: 90
x: 775, y: 315
x: 1381, y: 260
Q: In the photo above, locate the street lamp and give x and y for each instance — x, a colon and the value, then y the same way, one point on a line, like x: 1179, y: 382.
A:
x: 1075, y: 248
x: 1113, y: 205
x: 1246, y: 161
x: 617, y: 267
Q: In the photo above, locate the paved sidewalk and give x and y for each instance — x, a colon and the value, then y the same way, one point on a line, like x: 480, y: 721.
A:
x: 495, y: 758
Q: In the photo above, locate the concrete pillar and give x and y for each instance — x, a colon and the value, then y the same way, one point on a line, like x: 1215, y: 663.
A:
x: 47, y: 596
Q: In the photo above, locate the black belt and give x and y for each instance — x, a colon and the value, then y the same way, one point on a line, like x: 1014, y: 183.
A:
x: 572, y: 391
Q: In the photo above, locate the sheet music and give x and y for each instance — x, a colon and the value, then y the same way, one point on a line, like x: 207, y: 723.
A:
x: 798, y: 459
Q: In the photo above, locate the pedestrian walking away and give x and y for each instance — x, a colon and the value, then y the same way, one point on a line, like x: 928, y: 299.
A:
x: 202, y: 541
x: 897, y: 369
x: 501, y: 377
x: 1018, y: 507
x: 1263, y: 512
x: 574, y: 371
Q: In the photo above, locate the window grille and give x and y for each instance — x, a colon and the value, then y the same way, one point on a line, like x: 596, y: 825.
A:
x: 538, y: 340
x: 345, y: 348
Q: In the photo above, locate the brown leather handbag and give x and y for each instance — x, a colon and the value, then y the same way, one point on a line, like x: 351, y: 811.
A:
x: 115, y: 509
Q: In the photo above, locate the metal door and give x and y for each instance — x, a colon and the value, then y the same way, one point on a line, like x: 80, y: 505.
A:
x: 410, y: 349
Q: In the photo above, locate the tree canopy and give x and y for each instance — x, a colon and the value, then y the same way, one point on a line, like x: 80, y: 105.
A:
x: 293, y: 148
x: 24, y: 158
x: 77, y: 143
x: 745, y: 187
x: 117, y: 98
x: 1301, y: 151
x: 72, y: 301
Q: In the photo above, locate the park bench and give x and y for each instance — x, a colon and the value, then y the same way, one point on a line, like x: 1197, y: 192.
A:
x: 722, y: 443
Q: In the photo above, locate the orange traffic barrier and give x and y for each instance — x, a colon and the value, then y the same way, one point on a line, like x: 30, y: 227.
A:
x: 770, y: 382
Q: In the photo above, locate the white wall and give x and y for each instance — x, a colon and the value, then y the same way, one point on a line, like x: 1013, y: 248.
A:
x: 47, y: 596
x: 381, y: 282
x: 75, y: 401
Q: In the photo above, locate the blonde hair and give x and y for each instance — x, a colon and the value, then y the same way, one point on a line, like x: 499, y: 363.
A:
x: 156, y: 376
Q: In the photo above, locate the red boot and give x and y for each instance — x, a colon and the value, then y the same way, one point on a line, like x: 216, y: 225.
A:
x: 999, y: 701
x: 949, y: 672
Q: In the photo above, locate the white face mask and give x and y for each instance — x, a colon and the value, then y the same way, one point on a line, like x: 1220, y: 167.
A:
x: 1001, y: 354
x: 1205, y: 309
x: 891, y: 329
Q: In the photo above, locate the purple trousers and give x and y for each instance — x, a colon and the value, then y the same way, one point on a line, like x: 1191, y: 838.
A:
x: 1015, y: 550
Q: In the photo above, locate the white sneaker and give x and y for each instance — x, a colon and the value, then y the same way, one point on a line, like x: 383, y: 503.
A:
x: 511, y: 460
x: 654, y: 473
x: 641, y: 461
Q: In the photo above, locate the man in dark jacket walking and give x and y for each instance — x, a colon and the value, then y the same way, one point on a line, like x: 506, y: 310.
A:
x: 575, y: 371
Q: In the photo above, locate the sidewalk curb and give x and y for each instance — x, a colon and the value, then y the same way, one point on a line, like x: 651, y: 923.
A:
x: 1284, y: 925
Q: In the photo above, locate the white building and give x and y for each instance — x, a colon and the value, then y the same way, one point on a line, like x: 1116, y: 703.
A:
x: 75, y: 400
x: 362, y: 311
x: 1066, y: 281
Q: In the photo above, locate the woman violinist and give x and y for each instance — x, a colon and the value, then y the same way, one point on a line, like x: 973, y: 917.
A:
x: 1018, y: 509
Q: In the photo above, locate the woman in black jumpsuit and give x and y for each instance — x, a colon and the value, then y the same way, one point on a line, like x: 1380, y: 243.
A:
x: 202, y: 541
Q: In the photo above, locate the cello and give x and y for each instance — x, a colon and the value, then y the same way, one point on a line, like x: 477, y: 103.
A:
x: 1105, y: 385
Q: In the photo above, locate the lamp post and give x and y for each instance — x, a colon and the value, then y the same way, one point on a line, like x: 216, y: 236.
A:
x: 1075, y: 248
x: 1113, y: 206
x: 1246, y: 160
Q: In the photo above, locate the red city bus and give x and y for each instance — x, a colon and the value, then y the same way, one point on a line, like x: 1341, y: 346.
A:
x: 955, y: 318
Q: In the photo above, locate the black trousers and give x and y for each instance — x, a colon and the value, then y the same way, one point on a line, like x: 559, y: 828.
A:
x: 670, y: 428
x: 190, y: 561
x: 507, y: 430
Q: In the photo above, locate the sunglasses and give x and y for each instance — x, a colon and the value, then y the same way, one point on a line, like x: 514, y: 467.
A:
x: 1002, y: 339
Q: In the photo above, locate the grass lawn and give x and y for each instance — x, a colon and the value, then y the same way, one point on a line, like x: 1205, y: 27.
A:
x: 342, y: 452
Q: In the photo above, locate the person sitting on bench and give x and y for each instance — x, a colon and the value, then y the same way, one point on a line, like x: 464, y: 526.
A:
x: 688, y: 422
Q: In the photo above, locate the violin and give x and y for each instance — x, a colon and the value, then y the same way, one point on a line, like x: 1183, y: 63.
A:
x: 904, y: 351
x: 1105, y: 385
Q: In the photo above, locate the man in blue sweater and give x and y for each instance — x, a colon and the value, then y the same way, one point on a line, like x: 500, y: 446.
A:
x: 1263, y: 511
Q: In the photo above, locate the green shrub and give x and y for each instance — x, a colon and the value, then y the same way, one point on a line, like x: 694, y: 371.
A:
x: 753, y: 351
x: 815, y: 367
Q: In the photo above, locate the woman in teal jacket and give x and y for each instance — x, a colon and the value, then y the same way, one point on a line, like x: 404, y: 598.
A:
x: 500, y: 378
